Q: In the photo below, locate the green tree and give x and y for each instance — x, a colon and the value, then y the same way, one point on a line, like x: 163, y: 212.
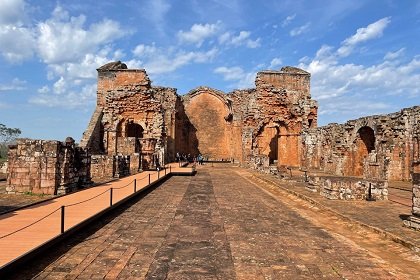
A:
x: 7, y: 136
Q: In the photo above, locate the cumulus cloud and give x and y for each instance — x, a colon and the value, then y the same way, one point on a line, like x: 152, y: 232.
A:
x: 372, y: 31
x: 337, y: 85
x: 300, y: 30
x: 73, y: 99
x: 229, y: 39
x: 198, y: 33
x: 242, y: 80
x: 168, y: 60
x: 17, y: 43
x: 45, y: 89
x: 12, y: 12
x: 144, y: 51
x: 63, y: 38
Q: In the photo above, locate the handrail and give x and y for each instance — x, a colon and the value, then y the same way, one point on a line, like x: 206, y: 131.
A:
x: 80, y: 202
x: 25, y: 227
x: 86, y: 200
x: 123, y: 186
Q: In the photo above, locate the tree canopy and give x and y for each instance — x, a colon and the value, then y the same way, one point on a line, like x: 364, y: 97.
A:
x: 7, y: 136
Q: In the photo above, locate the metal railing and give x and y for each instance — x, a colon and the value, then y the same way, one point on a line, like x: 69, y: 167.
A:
x: 111, y: 202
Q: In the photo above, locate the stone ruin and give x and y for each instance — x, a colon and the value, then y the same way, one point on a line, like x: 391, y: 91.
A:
x: 270, y: 128
x: 148, y: 124
x: 47, y: 167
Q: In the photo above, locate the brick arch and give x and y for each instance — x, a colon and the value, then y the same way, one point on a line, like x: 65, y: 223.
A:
x: 209, y: 115
x: 364, y: 144
x: 267, y: 141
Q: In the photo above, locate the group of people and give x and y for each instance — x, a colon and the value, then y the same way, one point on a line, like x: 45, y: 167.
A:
x: 183, y: 157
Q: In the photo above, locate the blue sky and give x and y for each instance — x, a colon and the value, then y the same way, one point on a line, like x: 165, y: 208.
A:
x: 364, y: 56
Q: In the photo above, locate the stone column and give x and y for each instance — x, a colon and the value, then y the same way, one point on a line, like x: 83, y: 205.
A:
x: 414, y: 220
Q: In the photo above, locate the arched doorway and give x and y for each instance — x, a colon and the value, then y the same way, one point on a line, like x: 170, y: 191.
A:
x: 133, y: 130
x: 365, y: 144
x: 268, y: 142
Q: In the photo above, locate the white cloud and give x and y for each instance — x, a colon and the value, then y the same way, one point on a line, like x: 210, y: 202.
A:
x: 391, y: 55
x: 73, y: 99
x: 165, y: 61
x: 64, y: 39
x: 12, y: 12
x: 233, y: 73
x: 300, y: 30
x: 17, y: 43
x: 288, y: 20
x: 274, y: 63
x: 236, y: 73
x: 198, y: 33
x: 45, y: 89
x: 156, y: 11
x: 372, y: 31
x: 339, y: 86
x: 229, y: 39
x: 15, y: 85
x: 254, y: 44
x: 60, y: 86
x: 144, y: 51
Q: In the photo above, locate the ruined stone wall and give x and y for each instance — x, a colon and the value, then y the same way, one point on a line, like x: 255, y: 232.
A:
x: 345, y: 188
x: 265, y: 121
x: 47, y: 167
x: 130, y: 109
x: 273, y: 115
x: 208, y: 120
x: 375, y: 147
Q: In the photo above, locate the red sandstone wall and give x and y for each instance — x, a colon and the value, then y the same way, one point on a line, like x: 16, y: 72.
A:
x: 47, y: 167
x: 338, y: 149
x: 212, y: 133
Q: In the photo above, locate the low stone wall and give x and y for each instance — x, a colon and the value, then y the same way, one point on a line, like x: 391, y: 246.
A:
x: 47, y: 167
x: 349, y: 188
x: 3, y: 167
x: 260, y: 163
x: 107, y: 167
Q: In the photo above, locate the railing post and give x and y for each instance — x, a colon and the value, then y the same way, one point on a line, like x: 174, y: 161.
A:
x: 135, y: 187
x: 149, y: 179
x: 170, y: 169
x: 62, y: 219
x: 110, y: 197
x: 165, y: 170
x: 158, y: 174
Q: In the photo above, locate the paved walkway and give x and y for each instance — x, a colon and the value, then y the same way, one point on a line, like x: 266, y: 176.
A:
x: 23, y: 230
x: 225, y: 223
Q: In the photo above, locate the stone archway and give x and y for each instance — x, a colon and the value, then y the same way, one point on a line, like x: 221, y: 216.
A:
x: 133, y: 129
x: 268, y: 142
x: 364, y: 144
x: 208, y: 115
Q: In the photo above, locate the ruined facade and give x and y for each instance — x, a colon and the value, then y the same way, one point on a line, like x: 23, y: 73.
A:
x: 381, y: 147
x: 150, y: 124
x: 47, y: 167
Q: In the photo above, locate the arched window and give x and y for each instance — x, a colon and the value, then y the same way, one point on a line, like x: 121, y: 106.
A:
x: 133, y: 130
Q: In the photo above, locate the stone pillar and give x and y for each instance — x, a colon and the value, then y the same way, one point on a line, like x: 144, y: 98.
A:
x: 414, y: 220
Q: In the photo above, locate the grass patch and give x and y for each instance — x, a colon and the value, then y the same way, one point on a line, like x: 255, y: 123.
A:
x: 3, y: 160
x: 32, y: 194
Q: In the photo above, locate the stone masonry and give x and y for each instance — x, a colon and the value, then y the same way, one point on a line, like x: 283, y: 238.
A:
x: 376, y: 147
x: 47, y: 167
x: 150, y: 124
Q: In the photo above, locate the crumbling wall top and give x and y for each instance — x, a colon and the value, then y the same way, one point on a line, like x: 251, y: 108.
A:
x: 114, y: 65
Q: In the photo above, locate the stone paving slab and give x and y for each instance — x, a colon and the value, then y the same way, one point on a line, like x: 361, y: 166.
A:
x: 384, y: 216
x: 222, y: 224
